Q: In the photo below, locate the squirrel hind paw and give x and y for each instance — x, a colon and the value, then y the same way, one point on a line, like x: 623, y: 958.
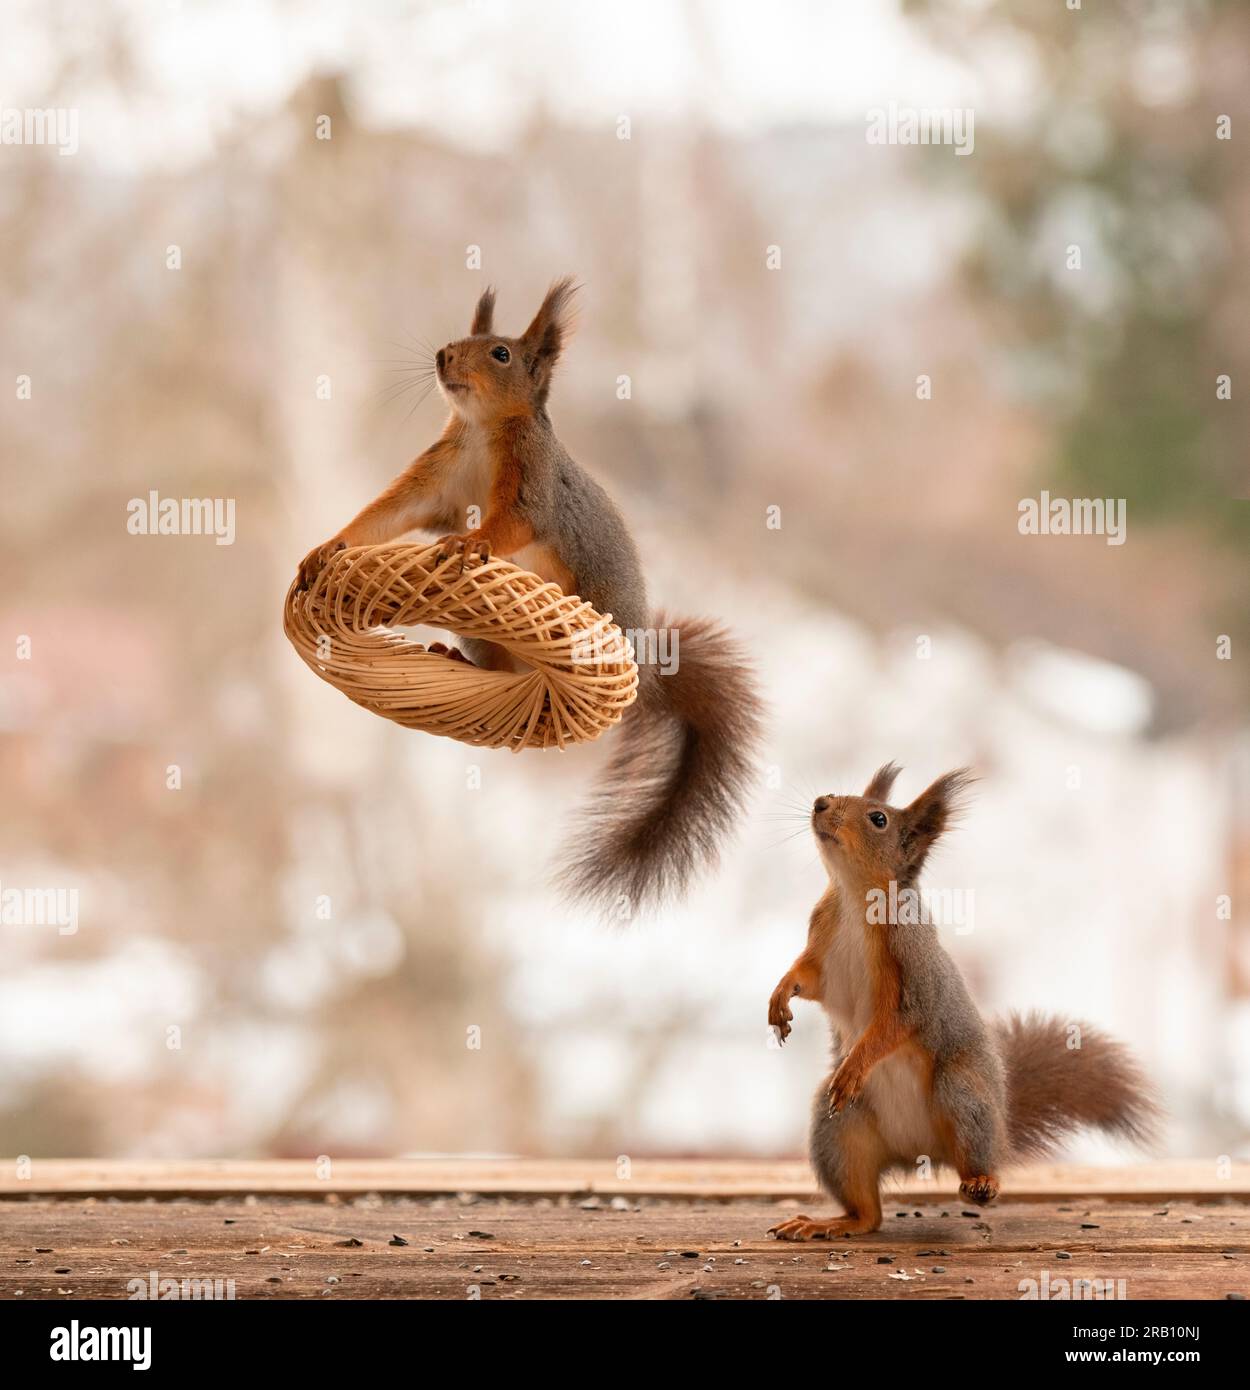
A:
x: 981, y: 1189
x: 804, y: 1228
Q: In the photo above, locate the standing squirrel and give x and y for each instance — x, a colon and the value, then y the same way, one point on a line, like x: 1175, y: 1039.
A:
x: 678, y: 777
x: 920, y: 1072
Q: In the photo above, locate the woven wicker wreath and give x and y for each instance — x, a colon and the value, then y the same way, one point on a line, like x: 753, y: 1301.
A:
x: 583, y: 675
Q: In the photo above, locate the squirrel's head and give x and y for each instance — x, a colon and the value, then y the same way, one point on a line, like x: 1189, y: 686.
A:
x: 866, y: 840
x: 486, y: 375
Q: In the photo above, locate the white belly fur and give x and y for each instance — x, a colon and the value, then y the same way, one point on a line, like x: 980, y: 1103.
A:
x: 897, y: 1092
x: 470, y: 484
x: 896, y: 1089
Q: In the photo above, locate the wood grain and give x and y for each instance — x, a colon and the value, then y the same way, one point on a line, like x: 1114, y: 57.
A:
x: 287, y: 1248
x: 642, y: 1177
x: 580, y: 1230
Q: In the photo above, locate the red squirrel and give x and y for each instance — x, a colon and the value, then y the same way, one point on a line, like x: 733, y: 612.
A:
x: 683, y: 763
x: 920, y: 1073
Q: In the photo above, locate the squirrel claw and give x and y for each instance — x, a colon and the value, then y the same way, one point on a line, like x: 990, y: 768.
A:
x: 478, y: 550
x: 780, y: 1014
x: 468, y: 547
x: 779, y: 1021
x: 981, y: 1189
x: 805, y: 1228
x: 316, y: 560
x: 844, y: 1090
x: 448, y: 547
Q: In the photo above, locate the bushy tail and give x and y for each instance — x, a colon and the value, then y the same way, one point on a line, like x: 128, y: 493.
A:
x: 677, y: 780
x: 1055, y: 1086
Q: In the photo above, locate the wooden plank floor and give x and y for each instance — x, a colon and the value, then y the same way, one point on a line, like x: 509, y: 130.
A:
x: 1165, y: 1230
x: 435, y: 1176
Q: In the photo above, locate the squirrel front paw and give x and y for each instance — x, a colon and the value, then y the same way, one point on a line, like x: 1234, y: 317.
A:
x: 452, y: 653
x: 846, y: 1086
x: 469, y: 547
x: 780, y: 1014
x: 316, y: 560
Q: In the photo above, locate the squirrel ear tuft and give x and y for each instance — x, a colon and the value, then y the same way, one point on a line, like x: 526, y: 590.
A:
x: 932, y: 813
x: 882, y: 780
x: 484, y: 314
x: 544, y: 339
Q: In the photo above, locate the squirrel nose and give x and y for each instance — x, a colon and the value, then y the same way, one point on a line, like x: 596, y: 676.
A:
x: 822, y: 803
x: 441, y: 357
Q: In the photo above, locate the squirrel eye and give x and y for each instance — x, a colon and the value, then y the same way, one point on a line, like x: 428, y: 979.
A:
x: 878, y: 819
x: 500, y: 353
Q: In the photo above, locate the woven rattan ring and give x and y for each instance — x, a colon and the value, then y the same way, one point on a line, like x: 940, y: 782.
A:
x: 582, y: 679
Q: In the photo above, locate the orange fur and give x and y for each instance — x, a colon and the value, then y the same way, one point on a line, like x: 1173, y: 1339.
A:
x: 805, y: 978
x: 505, y: 527
x: 885, y: 1033
x: 864, y: 1155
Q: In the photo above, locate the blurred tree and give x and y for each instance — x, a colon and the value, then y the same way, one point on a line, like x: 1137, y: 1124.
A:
x: 1121, y: 158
